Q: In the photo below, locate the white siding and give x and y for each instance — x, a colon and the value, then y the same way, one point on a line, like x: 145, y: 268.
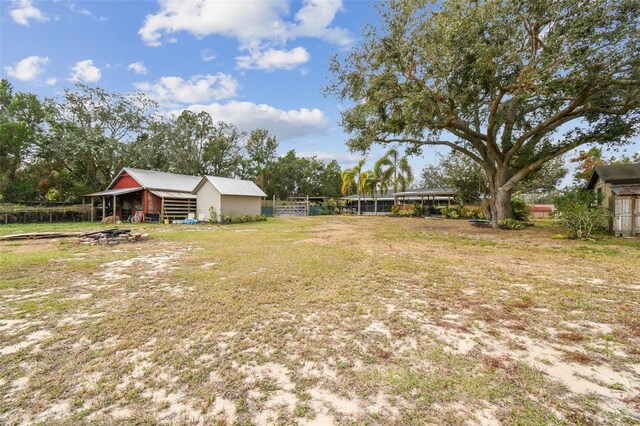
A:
x: 239, y: 205
x: 208, y: 196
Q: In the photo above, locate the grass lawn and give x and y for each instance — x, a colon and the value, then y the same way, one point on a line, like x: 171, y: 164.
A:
x: 320, y: 320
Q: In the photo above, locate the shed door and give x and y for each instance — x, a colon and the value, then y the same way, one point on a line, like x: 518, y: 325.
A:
x: 622, y: 219
x: 637, y: 215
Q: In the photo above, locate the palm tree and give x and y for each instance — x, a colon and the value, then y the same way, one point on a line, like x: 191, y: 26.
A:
x: 354, y: 176
x: 393, y: 170
x: 371, y: 187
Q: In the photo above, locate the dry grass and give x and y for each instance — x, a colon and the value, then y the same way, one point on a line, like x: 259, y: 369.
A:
x: 322, y: 320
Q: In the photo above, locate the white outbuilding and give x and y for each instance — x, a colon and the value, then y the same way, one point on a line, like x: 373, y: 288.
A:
x: 227, y: 196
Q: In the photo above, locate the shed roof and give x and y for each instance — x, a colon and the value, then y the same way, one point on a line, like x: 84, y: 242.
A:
x: 626, y: 190
x: 542, y: 208
x: 152, y: 179
x: 173, y: 194
x: 228, y: 186
x: 110, y: 192
x: 620, y: 173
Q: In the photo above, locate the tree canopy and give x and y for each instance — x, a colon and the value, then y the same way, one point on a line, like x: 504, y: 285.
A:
x: 58, y: 149
x: 510, y: 84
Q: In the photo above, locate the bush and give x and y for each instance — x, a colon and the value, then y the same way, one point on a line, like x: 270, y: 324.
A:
x: 228, y: 218
x: 472, y: 213
x: 329, y: 207
x: 519, y: 209
x: 395, y: 210
x: 213, y: 216
x: 579, y: 211
x: 511, y: 224
x: 450, y: 213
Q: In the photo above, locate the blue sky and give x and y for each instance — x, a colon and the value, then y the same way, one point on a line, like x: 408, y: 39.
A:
x: 255, y: 63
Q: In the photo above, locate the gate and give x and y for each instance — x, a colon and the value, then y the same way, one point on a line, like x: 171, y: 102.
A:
x: 290, y: 210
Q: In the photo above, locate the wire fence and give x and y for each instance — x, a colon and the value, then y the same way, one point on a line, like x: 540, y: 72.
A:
x: 20, y: 213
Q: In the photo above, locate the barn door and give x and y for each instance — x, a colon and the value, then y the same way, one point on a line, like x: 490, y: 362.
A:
x: 622, y: 219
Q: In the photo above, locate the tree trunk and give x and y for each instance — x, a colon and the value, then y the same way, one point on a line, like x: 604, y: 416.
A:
x: 375, y: 206
x: 500, y: 189
x: 500, y: 204
x: 359, y: 212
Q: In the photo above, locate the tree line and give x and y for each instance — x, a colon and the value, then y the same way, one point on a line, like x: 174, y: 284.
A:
x: 59, y: 149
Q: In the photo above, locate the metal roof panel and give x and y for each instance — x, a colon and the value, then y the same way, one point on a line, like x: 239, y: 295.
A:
x: 152, y: 179
x: 111, y: 192
x: 228, y: 186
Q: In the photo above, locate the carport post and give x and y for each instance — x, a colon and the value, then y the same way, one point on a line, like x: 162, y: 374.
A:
x: 92, y: 212
x: 104, y: 207
x: 114, y: 209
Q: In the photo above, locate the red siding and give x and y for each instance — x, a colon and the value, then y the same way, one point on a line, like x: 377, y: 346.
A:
x: 125, y: 181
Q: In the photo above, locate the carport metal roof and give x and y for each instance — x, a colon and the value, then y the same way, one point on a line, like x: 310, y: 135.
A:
x: 111, y: 192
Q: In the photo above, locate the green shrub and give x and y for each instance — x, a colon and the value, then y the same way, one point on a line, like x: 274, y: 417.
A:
x: 329, y: 207
x: 519, y: 209
x: 395, y: 210
x: 578, y: 210
x: 213, y: 216
x: 450, y: 213
x: 228, y: 218
x: 472, y: 213
x: 510, y: 224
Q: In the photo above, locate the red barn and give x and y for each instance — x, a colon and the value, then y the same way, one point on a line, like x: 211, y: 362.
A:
x: 158, y: 195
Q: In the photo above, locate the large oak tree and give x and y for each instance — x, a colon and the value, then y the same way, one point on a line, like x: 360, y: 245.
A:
x: 512, y: 84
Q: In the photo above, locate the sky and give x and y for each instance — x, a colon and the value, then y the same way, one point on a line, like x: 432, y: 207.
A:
x: 253, y: 63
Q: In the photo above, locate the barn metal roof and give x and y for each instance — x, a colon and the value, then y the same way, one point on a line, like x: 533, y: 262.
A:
x: 111, y: 192
x: 227, y: 186
x: 152, y: 179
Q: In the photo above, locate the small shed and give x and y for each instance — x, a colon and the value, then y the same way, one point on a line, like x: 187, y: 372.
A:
x: 619, y: 185
x: 542, y: 211
x: 227, y: 196
x: 158, y: 195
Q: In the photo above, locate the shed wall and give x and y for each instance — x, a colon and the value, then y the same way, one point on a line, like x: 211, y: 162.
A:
x: 239, y: 205
x: 207, y: 197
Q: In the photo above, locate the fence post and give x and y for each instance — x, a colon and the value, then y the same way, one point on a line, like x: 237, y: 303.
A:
x: 273, y: 206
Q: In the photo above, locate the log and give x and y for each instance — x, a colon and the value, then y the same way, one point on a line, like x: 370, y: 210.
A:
x: 39, y: 235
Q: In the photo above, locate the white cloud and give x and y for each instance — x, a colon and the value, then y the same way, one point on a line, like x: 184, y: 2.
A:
x: 207, y: 56
x: 23, y: 11
x: 29, y: 68
x: 85, y: 12
x: 85, y: 71
x: 222, y: 17
x: 199, y: 88
x: 285, y: 125
x: 274, y: 59
x: 138, y: 68
x: 50, y: 81
x: 261, y: 29
x: 314, y: 20
x: 340, y: 157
